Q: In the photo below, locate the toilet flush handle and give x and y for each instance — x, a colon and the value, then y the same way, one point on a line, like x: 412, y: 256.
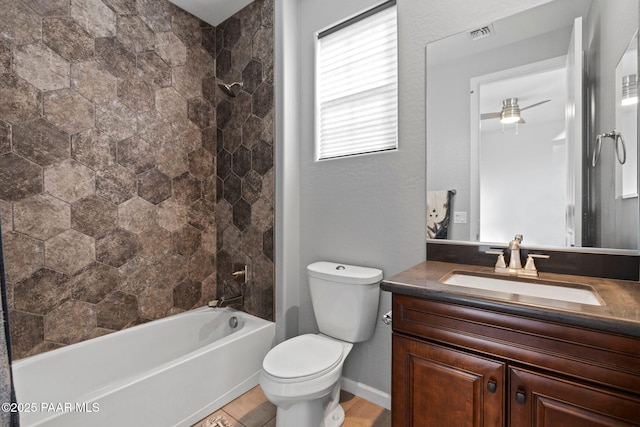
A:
x: 387, y: 318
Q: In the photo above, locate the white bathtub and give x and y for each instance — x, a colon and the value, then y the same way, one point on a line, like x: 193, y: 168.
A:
x: 169, y: 372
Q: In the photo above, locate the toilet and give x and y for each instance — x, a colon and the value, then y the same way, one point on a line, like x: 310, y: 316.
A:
x: 301, y: 375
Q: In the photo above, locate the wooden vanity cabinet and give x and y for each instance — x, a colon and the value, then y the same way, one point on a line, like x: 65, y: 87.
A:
x: 540, y: 400
x: 439, y: 386
x: 455, y: 365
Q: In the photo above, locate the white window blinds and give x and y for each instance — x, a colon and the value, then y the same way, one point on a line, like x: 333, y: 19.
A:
x: 357, y: 85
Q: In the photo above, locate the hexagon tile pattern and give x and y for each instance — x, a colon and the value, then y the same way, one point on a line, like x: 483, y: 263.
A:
x: 133, y: 187
x: 243, y: 157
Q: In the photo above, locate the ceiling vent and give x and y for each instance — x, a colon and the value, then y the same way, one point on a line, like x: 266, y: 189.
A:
x: 482, y: 32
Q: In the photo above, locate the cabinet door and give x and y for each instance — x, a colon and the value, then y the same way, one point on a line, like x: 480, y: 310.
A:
x: 540, y: 400
x: 437, y: 386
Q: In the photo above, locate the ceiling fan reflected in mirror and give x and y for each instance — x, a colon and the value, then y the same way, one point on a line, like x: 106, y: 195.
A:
x: 510, y: 112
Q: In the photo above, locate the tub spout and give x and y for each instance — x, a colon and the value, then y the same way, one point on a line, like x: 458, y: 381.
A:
x: 223, y: 302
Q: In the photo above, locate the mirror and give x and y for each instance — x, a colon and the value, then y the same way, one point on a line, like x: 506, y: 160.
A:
x: 626, y: 142
x: 513, y: 111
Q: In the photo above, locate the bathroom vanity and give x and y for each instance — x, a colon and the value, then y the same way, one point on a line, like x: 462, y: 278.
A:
x: 473, y: 357
x: 559, y: 350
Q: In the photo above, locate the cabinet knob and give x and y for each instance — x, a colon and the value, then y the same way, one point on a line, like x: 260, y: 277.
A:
x: 492, y: 386
x: 521, y: 396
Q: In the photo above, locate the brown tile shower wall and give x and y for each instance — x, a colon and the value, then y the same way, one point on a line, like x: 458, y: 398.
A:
x: 245, y: 170
x: 109, y: 142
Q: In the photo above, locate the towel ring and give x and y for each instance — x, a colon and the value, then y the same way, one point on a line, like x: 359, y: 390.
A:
x: 620, y: 147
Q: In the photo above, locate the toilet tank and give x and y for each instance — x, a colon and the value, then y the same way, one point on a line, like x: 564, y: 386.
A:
x: 345, y: 299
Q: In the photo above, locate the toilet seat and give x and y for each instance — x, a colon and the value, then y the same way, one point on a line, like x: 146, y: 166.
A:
x: 302, y: 358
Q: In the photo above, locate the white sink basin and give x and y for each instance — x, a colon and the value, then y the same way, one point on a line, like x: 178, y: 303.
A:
x: 579, y: 294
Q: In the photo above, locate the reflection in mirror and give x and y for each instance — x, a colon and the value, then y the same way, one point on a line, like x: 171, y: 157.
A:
x: 512, y: 113
x: 533, y: 150
x: 627, y: 120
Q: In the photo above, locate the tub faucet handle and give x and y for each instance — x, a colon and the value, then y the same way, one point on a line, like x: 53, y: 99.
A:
x: 241, y: 273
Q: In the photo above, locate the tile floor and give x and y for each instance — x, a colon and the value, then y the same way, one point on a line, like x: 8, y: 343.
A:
x: 252, y: 409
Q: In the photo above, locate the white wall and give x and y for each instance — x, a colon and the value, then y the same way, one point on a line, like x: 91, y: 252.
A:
x: 522, y: 189
x: 367, y: 210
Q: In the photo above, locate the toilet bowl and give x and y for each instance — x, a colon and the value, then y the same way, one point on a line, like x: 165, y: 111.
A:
x: 301, y: 376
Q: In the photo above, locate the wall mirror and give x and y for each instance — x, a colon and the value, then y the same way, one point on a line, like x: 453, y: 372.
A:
x: 626, y: 91
x: 515, y: 108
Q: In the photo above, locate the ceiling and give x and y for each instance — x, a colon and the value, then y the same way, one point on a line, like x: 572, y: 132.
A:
x: 212, y: 11
x: 546, y: 18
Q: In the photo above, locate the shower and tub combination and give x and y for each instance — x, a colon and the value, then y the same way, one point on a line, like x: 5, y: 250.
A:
x: 168, y: 372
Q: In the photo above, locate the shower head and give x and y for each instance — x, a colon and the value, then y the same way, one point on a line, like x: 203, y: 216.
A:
x: 232, y: 89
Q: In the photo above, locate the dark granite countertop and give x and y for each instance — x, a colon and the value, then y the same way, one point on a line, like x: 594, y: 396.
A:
x: 620, y: 313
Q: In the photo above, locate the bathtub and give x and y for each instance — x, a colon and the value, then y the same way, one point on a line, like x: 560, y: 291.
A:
x: 169, y: 372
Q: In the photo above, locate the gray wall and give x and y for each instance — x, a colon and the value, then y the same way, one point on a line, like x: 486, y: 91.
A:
x: 367, y: 210
x: 357, y: 210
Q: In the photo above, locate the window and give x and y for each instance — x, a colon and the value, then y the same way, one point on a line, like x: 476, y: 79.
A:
x: 357, y: 85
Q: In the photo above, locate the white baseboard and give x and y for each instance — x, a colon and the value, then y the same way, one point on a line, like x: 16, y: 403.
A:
x: 367, y: 392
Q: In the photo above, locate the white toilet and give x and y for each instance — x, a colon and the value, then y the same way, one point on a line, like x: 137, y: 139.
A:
x: 301, y: 376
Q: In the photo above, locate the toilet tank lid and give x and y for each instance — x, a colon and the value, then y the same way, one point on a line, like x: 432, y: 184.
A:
x: 344, y: 273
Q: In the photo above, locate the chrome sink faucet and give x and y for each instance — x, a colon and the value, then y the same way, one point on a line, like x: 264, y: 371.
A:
x: 515, y: 264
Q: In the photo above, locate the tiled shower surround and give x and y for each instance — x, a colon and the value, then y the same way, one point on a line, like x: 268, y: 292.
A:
x: 131, y: 187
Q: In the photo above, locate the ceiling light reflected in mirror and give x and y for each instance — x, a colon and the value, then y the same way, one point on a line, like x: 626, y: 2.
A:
x: 629, y: 90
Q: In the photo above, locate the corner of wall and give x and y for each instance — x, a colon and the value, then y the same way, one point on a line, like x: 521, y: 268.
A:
x: 287, y: 214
